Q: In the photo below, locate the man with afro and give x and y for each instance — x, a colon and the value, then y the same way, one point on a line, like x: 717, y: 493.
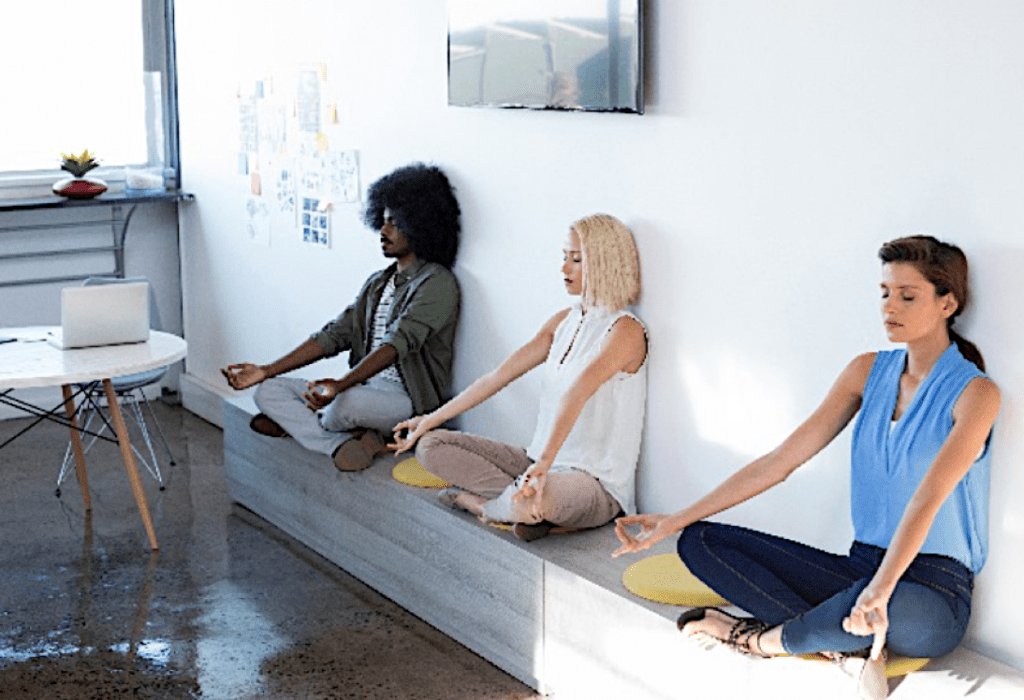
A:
x: 399, y: 332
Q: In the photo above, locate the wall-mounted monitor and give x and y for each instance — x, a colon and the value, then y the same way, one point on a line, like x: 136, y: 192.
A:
x: 546, y: 54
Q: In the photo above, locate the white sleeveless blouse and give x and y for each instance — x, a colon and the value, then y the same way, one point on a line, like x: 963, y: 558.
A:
x: 605, y: 440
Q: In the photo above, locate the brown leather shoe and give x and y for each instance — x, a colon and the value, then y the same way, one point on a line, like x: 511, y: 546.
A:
x: 358, y: 453
x: 265, y: 425
x: 374, y: 442
x: 530, y: 532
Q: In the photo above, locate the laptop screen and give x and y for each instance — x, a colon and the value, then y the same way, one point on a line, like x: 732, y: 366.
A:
x: 105, y: 314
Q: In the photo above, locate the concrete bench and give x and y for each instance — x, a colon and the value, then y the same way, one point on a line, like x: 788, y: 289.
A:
x: 553, y: 612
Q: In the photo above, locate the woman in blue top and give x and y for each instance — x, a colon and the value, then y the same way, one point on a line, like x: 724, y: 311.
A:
x: 919, y: 496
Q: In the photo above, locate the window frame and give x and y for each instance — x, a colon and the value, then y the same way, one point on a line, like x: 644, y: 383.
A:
x: 158, y: 55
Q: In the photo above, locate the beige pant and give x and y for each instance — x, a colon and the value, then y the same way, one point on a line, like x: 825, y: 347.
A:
x: 487, y: 467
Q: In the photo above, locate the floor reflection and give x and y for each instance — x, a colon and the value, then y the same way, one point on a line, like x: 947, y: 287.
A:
x: 229, y: 609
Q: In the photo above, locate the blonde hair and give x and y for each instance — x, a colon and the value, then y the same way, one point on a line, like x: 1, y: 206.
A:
x: 611, y: 264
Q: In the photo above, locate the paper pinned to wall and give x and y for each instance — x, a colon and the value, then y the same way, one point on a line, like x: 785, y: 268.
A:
x: 272, y: 127
x: 307, y: 100
x: 284, y: 187
x: 332, y: 177
x: 300, y: 177
x: 257, y: 221
x: 247, y: 127
x: 314, y: 223
x: 308, y: 144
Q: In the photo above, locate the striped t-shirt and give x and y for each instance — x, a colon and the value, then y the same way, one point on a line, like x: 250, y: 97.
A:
x: 380, y: 327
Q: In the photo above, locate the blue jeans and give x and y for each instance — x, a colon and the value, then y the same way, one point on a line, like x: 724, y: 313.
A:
x: 809, y: 591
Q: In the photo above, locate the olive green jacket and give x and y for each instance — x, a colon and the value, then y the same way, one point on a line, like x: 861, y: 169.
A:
x: 421, y: 327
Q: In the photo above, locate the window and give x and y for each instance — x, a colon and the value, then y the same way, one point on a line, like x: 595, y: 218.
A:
x: 77, y: 75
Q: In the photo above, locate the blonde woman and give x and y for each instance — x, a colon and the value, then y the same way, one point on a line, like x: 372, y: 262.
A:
x: 578, y: 471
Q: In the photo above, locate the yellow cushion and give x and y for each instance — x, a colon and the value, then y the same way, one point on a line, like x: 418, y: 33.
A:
x: 902, y: 665
x: 665, y: 579
x: 411, y: 472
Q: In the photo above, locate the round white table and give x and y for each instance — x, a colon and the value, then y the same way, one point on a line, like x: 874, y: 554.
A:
x: 29, y: 361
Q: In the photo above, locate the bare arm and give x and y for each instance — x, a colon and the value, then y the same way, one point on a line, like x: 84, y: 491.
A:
x: 973, y: 416
x: 516, y: 365
x: 624, y: 349
x: 837, y: 409
x: 246, y: 374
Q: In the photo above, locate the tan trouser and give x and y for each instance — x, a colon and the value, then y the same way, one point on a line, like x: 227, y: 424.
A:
x: 487, y: 467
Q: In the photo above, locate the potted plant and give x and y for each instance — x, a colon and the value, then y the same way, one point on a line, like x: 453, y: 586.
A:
x: 80, y: 186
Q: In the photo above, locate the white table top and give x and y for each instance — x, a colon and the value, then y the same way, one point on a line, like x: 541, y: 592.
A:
x: 30, y: 361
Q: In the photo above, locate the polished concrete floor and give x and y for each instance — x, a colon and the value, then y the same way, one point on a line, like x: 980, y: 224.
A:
x: 229, y: 608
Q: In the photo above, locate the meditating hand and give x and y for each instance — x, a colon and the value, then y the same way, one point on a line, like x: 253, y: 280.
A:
x: 243, y: 376
x: 408, y: 432
x: 870, y: 616
x: 653, y: 528
x: 320, y: 393
x: 531, y: 492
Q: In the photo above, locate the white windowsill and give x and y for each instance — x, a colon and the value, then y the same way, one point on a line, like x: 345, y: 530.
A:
x: 39, y: 183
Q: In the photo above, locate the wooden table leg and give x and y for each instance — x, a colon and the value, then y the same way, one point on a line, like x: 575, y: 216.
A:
x: 76, y: 448
x: 129, y: 461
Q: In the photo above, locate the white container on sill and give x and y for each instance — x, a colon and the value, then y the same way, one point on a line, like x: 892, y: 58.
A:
x: 143, y: 181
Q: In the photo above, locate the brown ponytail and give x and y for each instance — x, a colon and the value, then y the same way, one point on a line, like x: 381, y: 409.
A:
x: 945, y: 266
x: 968, y: 349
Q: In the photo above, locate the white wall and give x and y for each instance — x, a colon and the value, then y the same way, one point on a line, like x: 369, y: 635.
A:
x: 783, y: 143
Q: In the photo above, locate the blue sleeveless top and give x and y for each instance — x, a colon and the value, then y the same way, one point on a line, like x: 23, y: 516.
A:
x: 888, y: 463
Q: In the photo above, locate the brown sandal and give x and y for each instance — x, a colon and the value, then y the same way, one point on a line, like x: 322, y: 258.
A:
x: 742, y: 632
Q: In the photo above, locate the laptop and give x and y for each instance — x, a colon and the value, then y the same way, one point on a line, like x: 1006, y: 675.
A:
x: 104, y: 314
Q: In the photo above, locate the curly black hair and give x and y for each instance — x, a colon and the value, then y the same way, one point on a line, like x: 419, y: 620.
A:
x: 422, y: 204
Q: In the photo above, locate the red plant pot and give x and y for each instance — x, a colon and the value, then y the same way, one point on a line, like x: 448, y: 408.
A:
x: 79, y: 188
